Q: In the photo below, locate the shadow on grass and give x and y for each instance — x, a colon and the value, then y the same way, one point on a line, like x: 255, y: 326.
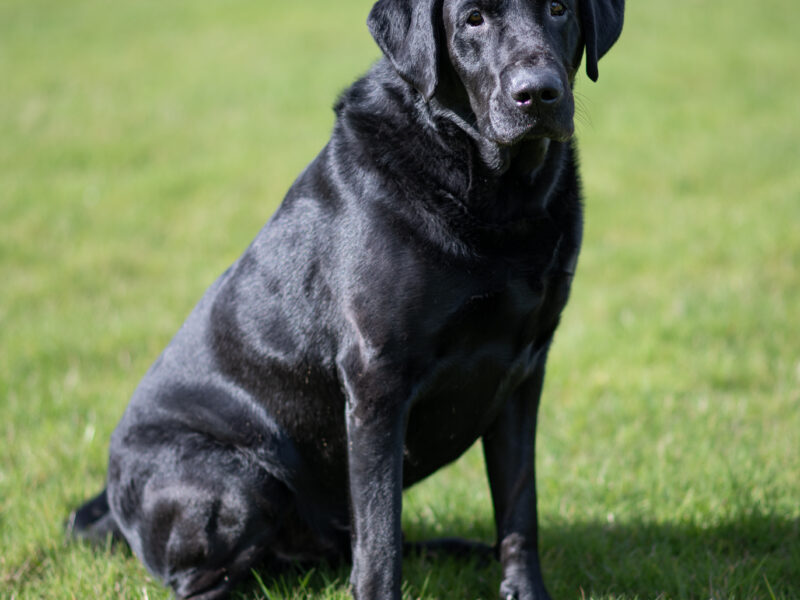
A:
x: 752, y: 556
x: 756, y: 556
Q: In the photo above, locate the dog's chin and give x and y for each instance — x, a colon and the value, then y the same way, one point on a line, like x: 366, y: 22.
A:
x: 534, y: 132
x: 510, y: 132
x: 556, y: 134
x: 502, y: 138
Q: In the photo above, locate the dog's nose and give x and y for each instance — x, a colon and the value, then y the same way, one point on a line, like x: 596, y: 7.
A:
x: 533, y: 88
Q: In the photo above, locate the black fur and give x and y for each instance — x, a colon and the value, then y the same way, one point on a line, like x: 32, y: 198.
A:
x: 398, y: 306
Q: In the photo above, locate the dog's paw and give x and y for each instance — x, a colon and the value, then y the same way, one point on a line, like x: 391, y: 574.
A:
x: 520, y: 588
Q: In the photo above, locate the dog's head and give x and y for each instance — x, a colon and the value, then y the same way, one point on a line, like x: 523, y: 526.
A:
x: 513, y: 62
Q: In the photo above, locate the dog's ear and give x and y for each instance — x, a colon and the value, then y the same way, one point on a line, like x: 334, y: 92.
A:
x: 406, y: 31
x: 602, y: 23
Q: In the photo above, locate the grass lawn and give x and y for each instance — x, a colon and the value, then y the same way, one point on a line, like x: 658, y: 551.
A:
x: 143, y: 144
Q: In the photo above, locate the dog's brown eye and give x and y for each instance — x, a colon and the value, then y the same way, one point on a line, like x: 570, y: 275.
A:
x: 475, y: 18
x: 557, y: 9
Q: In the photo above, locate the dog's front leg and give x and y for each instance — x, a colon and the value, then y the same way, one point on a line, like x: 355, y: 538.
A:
x: 375, y: 436
x: 509, y: 447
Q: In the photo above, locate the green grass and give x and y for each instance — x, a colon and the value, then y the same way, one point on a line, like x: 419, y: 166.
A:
x: 145, y: 143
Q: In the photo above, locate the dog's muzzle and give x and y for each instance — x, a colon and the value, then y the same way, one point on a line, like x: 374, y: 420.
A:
x: 530, y: 102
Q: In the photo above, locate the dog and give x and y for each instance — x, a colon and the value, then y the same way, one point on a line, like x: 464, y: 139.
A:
x: 397, y: 306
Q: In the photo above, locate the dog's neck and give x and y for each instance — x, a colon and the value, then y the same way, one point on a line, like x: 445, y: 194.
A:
x: 443, y: 154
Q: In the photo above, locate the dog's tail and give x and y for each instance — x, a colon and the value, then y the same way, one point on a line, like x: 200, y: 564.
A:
x: 93, y: 521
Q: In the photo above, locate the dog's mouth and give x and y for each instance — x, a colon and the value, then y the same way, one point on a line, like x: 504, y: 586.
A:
x: 500, y: 130
x: 508, y: 132
x: 545, y: 131
x: 506, y: 125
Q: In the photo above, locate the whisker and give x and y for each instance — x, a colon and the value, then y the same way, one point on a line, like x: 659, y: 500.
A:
x: 582, y: 113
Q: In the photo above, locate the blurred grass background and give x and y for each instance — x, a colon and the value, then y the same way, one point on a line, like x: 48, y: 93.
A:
x: 142, y: 146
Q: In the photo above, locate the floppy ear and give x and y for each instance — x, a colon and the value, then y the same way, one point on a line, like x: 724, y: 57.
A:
x: 602, y: 24
x: 406, y: 32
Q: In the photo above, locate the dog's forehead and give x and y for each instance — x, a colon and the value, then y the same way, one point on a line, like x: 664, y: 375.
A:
x: 507, y: 10
x: 499, y: 5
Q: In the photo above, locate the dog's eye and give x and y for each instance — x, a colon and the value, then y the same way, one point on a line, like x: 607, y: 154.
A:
x: 475, y: 18
x: 557, y: 9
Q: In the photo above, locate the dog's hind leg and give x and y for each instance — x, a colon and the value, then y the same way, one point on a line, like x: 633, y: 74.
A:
x: 198, y: 515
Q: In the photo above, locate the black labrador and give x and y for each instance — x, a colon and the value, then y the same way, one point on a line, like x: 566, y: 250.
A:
x: 398, y: 306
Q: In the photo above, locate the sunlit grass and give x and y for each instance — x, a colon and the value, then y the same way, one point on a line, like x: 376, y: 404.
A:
x: 143, y: 146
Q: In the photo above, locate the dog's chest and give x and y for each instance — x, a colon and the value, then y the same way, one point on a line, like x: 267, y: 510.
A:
x: 480, y: 356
